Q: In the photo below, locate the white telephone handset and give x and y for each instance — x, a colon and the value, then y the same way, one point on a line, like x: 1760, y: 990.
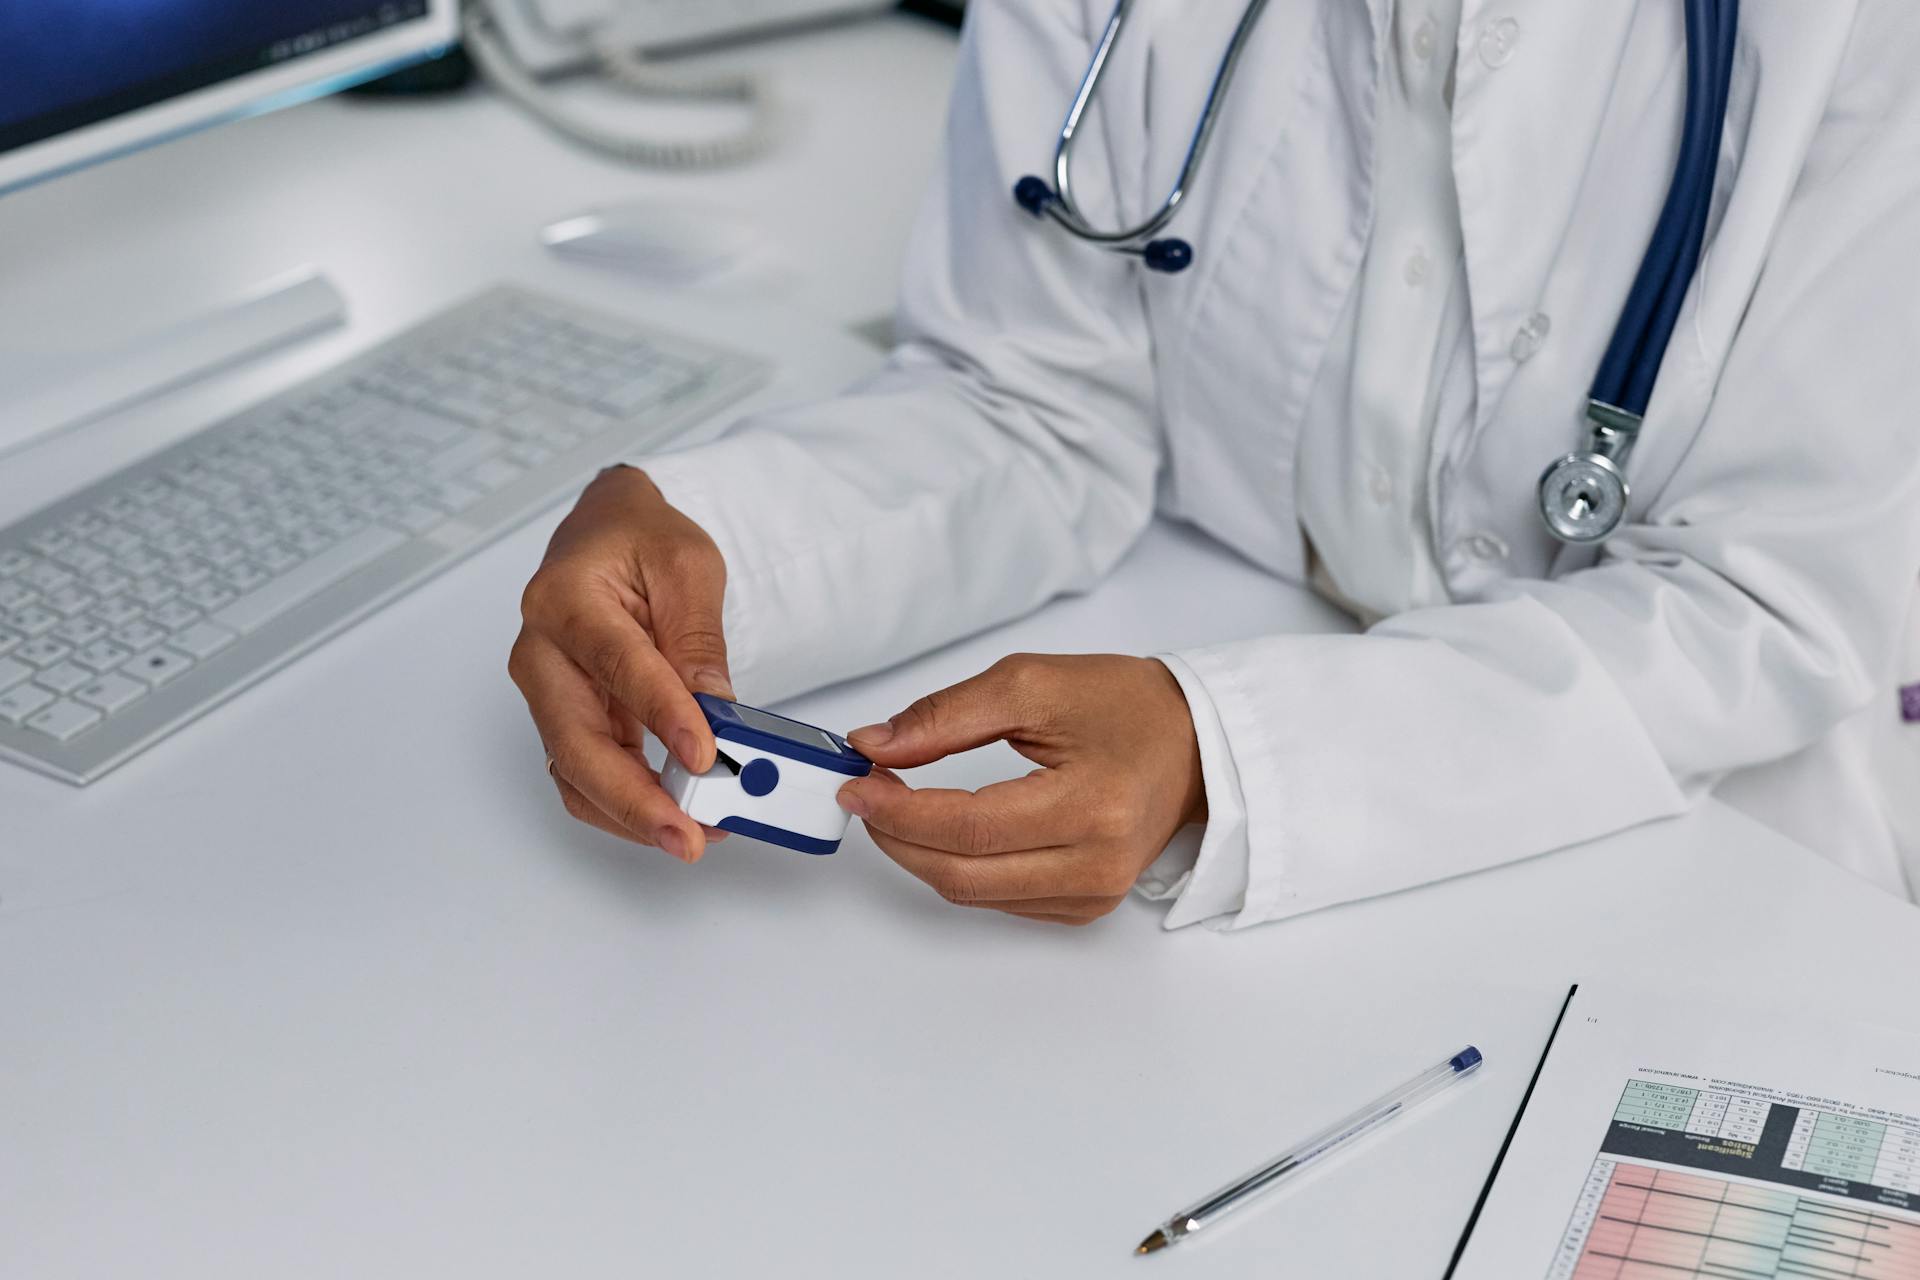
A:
x: 517, y: 43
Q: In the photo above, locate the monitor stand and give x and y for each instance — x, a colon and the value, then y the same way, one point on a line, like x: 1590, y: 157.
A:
x: 68, y: 390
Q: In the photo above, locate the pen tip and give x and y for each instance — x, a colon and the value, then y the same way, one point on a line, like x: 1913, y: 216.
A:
x: 1153, y: 1243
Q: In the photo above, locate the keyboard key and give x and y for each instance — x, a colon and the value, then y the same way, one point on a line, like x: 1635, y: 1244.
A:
x: 453, y: 497
x: 203, y: 639
x: 418, y: 519
x: 158, y: 666
x: 87, y: 524
x: 63, y: 677
x: 32, y: 620
x: 467, y: 407
x: 117, y: 612
x: 70, y: 600
x: 15, y: 593
x: 117, y: 540
x: 42, y: 651
x: 493, y: 475
x: 529, y: 455
x: 102, y: 655
x: 428, y: 428
x: 82, y: 557
x: 44, y: 575
x: 12, y: 673
x: 79, y: 631
x: 311, y: 540
x: 111, y: 692
x: 142, y: 562
x: 51, y: 541
x: 21, y: 701
x: 152, y: 591
x: 188, y: 571
x: 255, y: 610
x: 278, y: 557
x: 244, y: 577
x: 139, y: 635
x: 223, y: 554
x: 174, y: 614
x: 476, y: 448
x: 63, y: 720
x: 108, y: 582
x: 12, y: 561
x: 8, y: 642
x: 211, y: 595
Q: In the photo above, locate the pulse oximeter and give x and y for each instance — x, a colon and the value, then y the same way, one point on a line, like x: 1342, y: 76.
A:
x: 775, y: 779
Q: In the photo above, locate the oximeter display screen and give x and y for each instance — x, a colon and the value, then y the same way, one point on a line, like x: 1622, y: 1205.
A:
x: 781, y: 727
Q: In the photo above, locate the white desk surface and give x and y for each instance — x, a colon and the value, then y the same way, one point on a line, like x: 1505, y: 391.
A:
x: 328, y: 984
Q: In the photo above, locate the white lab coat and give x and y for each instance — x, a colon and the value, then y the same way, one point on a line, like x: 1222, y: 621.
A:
x: 1743, y: 629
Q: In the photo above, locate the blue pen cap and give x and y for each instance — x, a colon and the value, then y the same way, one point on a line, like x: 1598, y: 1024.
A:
x: 1465, y: 1060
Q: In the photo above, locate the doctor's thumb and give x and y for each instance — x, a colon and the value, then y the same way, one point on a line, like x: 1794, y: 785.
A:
x: 958, y: 718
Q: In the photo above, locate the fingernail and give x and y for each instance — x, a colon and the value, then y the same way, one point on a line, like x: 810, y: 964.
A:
x: 710, y: 681
x: 877, y: 734
x: 687, y: 747
x: 853, y: 802
x: 673, y: 842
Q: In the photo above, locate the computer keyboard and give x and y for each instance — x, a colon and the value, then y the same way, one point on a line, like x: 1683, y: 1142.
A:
x: 137, y: 604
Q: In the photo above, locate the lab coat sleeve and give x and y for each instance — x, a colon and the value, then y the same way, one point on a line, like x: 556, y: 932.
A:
x: 1756, y: 605
x: 1007, y: 453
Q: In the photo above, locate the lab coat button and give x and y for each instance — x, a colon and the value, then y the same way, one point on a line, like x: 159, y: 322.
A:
x: 1417, y: 267
x: 1379, y: 485
x: 1424, y: 40
x: 1531, y: 336
x: 1497, y: 40
x: 1486, y: 546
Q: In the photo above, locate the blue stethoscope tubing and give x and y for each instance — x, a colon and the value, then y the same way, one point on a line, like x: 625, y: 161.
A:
x: 1582, y: 496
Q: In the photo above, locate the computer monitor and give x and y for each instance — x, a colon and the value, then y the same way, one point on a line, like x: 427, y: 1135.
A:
x: 83, y: 80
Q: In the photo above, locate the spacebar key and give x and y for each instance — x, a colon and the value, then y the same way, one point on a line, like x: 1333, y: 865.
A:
x: 254, y: 610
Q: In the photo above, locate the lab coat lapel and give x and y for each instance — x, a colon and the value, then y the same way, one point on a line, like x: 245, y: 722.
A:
x: 1523, y: 138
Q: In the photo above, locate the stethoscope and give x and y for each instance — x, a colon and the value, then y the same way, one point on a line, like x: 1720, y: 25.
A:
x: 1583, y: 496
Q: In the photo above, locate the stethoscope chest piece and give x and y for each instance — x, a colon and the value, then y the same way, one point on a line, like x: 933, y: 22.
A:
x: 1583, y: 498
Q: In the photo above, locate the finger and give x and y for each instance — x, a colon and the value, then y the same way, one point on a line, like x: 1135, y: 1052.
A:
x: 1084, y: 907
x: 572, y: 722
x: 584, y: 810
x: 992, y: 705
x: 1072, y: 922
x: 685, y: 600
x: 625, y: 726
x: 1008, y: 877
x: 604, y: 641
x: 1032, y: 812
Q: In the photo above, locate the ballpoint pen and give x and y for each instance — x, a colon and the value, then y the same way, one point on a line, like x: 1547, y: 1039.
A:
x: 1239, y: 1193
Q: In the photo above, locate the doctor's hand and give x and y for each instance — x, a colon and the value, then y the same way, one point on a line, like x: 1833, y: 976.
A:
x: 1119, y: 775
x: 621, y: 625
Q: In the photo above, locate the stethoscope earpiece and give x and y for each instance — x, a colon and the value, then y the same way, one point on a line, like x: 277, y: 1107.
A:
x: 1034, y: 195
x: 1168, y: 256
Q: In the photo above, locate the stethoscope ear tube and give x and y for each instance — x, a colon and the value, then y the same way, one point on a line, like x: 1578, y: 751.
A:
x: 1055, y: 200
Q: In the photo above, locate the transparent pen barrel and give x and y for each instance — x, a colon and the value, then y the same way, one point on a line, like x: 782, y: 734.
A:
x: 1334, y: 1136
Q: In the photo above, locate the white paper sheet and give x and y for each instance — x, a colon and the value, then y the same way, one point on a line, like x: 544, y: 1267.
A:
x: 1668, y: 1142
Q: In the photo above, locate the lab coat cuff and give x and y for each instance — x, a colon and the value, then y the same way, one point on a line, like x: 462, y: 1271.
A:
x: 682, y: 478
x: 1205, y: 872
